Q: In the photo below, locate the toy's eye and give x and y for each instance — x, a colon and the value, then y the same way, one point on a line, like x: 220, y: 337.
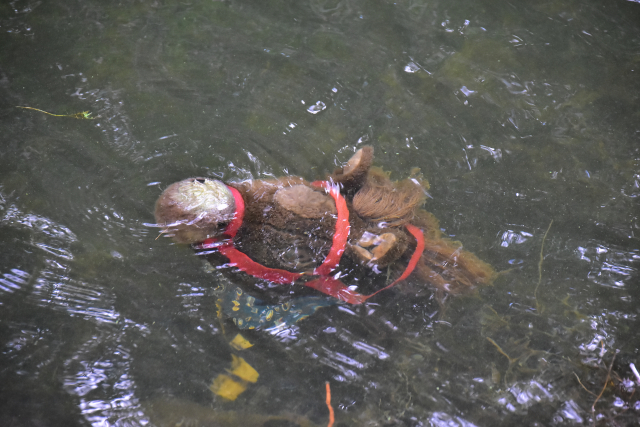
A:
x: 200, y: 180
x: 222, y: 225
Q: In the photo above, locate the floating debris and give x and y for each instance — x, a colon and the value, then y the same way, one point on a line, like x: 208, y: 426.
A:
x: 85, y: 115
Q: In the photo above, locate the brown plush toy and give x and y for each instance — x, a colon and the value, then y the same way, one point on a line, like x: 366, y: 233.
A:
x: 357, y: 228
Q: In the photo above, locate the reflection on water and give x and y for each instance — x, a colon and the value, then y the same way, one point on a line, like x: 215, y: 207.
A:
x: 97, y: 372
x: 99, y: 375
x: 517, y: 115
x: 14, y: 280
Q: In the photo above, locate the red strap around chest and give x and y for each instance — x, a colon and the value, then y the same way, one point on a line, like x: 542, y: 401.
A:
x: 243, y: 263
x: 240, y: 260
x: 325, y: 283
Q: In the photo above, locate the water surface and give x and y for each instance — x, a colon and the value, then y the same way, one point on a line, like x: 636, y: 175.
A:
x: 523, y: 117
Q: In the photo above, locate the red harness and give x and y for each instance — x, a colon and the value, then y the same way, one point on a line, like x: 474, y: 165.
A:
x: 325, y: 283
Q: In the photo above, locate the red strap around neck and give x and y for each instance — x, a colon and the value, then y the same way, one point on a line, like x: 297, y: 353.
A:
x: 238, y: 215
x: 325, y: 283
x: 239, y: 259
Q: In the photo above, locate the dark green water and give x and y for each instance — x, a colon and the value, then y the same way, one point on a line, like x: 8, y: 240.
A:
x: 518, y: 114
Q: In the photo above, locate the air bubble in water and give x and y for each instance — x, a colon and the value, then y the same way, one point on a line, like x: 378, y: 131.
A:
x: 317, y: 107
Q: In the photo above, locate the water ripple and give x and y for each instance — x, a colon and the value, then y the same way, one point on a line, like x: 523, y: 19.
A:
x: 11, y: 282
x: 103, y: 365
x: 609, y: 266
x: 18, y: 219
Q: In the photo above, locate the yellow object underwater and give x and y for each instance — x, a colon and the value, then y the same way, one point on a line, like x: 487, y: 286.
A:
x: 224, y: 386
x: 240, y: 343
x: 241, y: 369
x: 230, y: 388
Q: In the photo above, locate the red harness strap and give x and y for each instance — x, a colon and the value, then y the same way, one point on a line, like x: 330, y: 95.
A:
x: 325, y: 283
x: 342, y: 230
x: 241, y: 260
x: 339, y: 290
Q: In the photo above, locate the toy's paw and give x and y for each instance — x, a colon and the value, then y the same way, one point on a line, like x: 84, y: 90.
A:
x: 374, y: 249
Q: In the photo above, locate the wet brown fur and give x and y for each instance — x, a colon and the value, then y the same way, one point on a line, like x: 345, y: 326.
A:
x: 381, y: 200
x: 445, y: 264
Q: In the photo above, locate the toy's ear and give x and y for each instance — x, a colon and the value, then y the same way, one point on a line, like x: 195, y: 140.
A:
x: 353, y: 175
x: 193, y: 210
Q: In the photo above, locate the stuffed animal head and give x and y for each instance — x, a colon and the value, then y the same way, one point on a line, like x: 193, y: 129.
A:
x: 195, y: 209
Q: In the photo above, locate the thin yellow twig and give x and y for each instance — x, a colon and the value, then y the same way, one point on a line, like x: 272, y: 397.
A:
x: 585, y: 389
x: 83, y: 115
x: 535, y: 292
x: 606, y: 381
x: 500, y: 350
